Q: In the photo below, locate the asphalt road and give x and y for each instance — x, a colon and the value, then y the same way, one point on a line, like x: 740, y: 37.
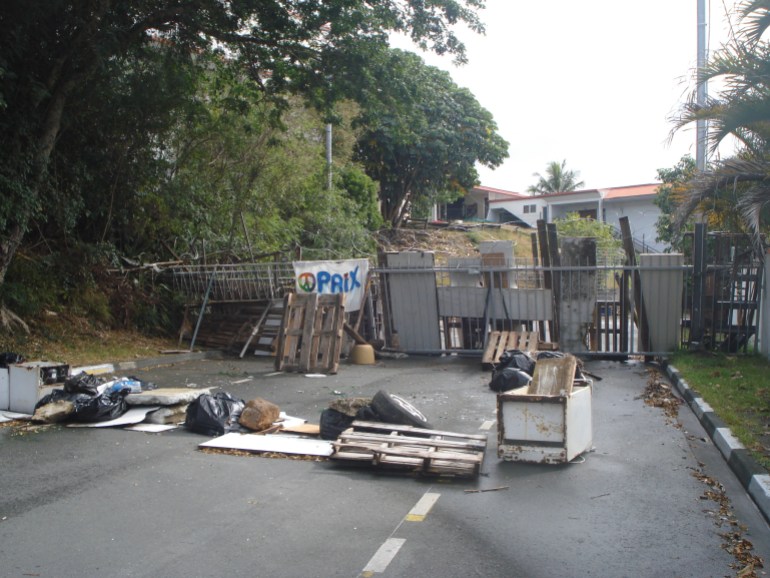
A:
x: 109, y: 502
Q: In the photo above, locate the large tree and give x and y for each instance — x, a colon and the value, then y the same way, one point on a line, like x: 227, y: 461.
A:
x: 51, y: 49
x: 422, y: 134
x: 557, y: 179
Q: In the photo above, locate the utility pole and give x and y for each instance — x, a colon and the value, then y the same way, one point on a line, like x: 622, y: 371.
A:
x: 702, y: 90
x: 329, y: 155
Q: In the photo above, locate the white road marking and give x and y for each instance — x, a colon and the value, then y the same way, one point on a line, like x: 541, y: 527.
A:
x: 422, y: 507
x: 487, y: 425
x: 384, y: 556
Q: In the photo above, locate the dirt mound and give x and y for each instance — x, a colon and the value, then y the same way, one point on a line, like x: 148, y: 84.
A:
x: 452, y: 241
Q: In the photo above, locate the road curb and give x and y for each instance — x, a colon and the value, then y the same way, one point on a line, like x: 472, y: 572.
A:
x: 753, y: 477
x: 147, y: 362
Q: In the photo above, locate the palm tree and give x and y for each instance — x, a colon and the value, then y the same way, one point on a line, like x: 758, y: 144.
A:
x: 742, y: 111
x: 557, y: 180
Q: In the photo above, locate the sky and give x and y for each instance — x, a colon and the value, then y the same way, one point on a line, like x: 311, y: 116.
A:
x: 593, y: 82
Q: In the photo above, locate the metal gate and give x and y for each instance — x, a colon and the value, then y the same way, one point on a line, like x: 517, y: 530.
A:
x: 608, y: 310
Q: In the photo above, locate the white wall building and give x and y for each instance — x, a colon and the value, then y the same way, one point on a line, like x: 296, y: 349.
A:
x: 606, y: 205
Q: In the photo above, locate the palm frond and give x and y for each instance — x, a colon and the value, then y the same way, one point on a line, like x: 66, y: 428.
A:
x: 749, y: 181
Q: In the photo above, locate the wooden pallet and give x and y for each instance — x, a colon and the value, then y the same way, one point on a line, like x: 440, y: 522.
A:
x: 311, y: 333
x: 553, y: 376
x: 501, y: 341
x: 423, y: 451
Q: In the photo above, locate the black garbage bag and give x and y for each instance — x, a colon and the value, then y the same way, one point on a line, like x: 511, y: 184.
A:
x: 518, y: 359
x: 214, y: 415
x: 102, y: 407
x: 82, y: 383
x: 508, y: 378
x: 9, y: 358
x: 54, y: 396
x: 89, y: 408
x: 334, y: 422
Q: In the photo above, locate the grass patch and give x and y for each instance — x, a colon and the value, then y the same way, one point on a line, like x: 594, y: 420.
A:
x: 76, y: 341
x: 738, y: 389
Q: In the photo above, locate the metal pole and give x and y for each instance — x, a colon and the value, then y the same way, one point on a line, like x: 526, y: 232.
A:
x: 203, y: 308
x: 702, y: 89
x: 329, y: 155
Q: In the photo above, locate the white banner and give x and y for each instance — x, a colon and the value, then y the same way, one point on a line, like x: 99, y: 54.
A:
x: 328, y: 277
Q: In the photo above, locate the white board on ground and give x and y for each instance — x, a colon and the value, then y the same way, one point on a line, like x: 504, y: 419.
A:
x: 151, y: 427
x: 132, y: 416
x: 270, y: 443
x: 12, y: 415
x: 288, y: 421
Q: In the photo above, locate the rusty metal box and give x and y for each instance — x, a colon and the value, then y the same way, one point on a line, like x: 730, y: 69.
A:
x: 549, y: 429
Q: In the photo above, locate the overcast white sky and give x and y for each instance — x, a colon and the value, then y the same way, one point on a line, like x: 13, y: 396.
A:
x: 592, y: 82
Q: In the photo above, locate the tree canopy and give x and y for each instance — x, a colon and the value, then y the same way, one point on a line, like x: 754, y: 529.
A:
x: 57, y: 55
x: 557, y: 179
x: 422, y: 135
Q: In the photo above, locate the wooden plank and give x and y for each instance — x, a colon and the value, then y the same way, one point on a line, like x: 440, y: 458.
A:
x: 311, y: 334
x: 639, y: 310
x: 309, y: 349
x: 422, y: 452
x: 361, y: 425
x: 436, y: 442
x: 553, y: 377
x: 500, y: 341
x: 395, y: 446
x: 329, y: 331
x: 555, y: 260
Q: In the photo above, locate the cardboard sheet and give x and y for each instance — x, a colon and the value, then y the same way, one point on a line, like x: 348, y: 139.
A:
x: 270, y: 443
x: 151, y: 427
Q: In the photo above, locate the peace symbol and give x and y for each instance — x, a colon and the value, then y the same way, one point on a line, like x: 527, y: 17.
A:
x: 306, y: 282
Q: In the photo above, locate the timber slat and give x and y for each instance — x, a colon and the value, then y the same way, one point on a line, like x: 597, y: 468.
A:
x: 553, y: 376
x: 500, y: 341
x: 310, y: 338
x: 434, y: 454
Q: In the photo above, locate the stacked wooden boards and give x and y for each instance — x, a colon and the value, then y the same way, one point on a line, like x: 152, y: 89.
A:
x: 423, y: 451
x: 311, y: 333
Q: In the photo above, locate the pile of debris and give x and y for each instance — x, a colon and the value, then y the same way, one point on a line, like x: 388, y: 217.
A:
x: 657, y: 393
x: 384, y: 431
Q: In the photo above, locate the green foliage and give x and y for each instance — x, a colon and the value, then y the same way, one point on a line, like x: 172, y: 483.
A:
x: 557, y: 179
x: 363, y: 192
x: 733, y: 193
x: 669, y: 197
x: 95, y: 96
x: 474, y: 237
x: 30, y: 286
x: 607, y: 245
x: 422, y: 134
x: 738, y: 389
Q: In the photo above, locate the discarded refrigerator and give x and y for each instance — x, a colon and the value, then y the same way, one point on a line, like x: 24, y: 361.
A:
x: 30, y: 381
x: 548, y: 421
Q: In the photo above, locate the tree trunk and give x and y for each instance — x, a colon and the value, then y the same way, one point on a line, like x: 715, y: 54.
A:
x: 47, y: 139
x: 8, y: 248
